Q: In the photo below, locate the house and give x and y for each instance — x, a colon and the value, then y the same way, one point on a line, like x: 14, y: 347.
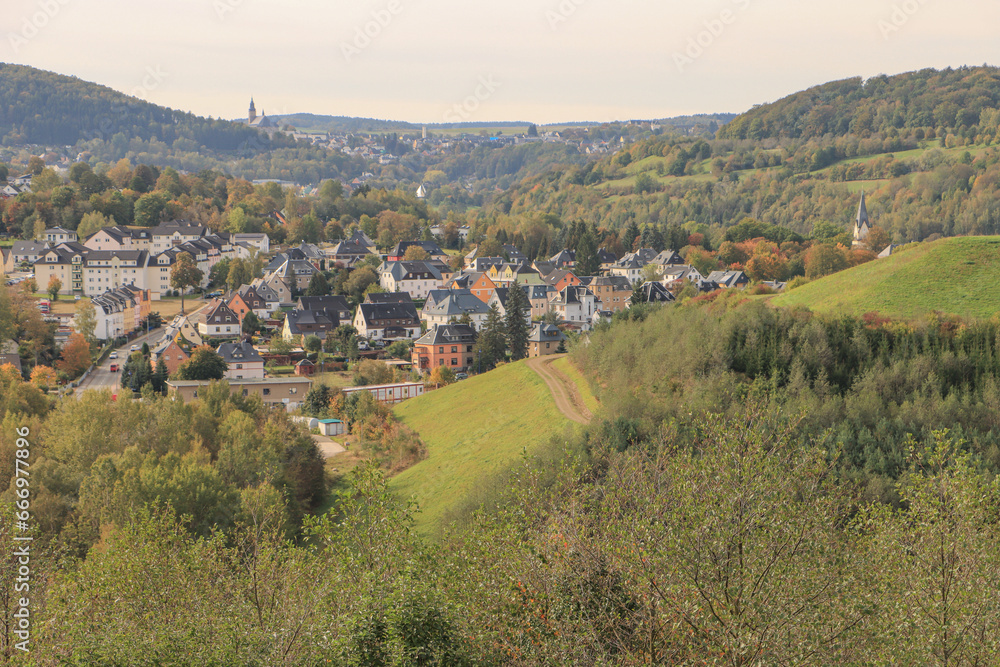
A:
x: 398, y: 253
x: 243, y: 360
x: 728, y: 279
x: 27, y: 252
x: 262, y: 242
x: 348, y: 254
x: 539, y: 296
x: 654, y: 292
x: 58, y: 235
x: 606, y: 258
x: 445, y: 345
x: 332, y: 304
x: 506, y: 274
x: 220, y: 322
x: 483, y: 287
x: 172, y: 234
x: 452, y: 306
x: 295, y: 274
x: 415, y: 278
x: 484, y: 264
x: 499, y: 299
x: 545, y: 339
x: 677, y: 274
x: 387, y: 321
x: 564, y: 259
x: 613, y: 292
x: 309, y: 323
x: 667, y: 259
x: 120, y: 238
x: 172, y: 351
x: 561, y: 279
x: 120, y: 311
x: 289, y: 392
x: 247, y: 299
x: 575, y: 304
x: 629, y: 267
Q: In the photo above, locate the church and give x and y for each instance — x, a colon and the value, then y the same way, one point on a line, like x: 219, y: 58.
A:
x: 863, y: 223
x: 261, y: 122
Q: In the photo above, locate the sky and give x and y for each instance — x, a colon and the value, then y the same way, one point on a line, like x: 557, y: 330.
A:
x: 541, y: 61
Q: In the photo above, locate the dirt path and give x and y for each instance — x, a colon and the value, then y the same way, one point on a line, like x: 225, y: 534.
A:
x: 564, y: 391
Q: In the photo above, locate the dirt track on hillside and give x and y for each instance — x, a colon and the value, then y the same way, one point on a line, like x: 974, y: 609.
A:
x: 564, y: 391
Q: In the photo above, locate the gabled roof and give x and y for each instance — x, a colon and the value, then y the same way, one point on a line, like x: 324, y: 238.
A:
x: 431, y: 247
x: 371, y: 312
x: 546, y: 333
x: 563, y: 257
x: 218, y: 312
x: 388, y: 297
x: 448, y: 334
x: 337, y: 304
x: 653, y: 292
x: 298, y: 320
x: 539, y: 291
x: 456, y: 304
x: 605, y: 256
x: 405, y: 270
x: 242, y: 352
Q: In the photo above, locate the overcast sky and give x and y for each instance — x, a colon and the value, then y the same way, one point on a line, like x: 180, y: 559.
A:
x: 528, y: 60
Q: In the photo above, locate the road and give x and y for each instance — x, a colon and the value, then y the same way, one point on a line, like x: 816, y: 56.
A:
x: 564, y: 391
x: 102, y: 377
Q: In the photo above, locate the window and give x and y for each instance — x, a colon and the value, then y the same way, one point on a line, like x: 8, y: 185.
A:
x: 246, y: 392
x: 468, y: 348
x: 267, y: 391
x: 293, y: 390
x: 440, y: 350
x: 196, y: 393
x: 440, y: 362
x: 454, y: 361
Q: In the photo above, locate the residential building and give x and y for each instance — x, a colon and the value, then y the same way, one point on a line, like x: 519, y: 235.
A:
x: 220, y: 322
x: 309, y: 323
x: 398, y: 253
x: 333, y: 304
x: 58, y: 235
x: 575, y: 304
x: 175, y: 233
x: 728, y: 279
x: 289, y: 392
x: 653, y: 292
x: 415, y: 278
x: 387, y: 321
x: 173, y: 351
x: 539, y: 296
x: 483, y: 287
x: 499, y: 299
x: 452, y: 306
x: 445, y: 345
x: 27, y: 251
x: 243, y: 360
x: 544, y: 340
x: 613, y: 292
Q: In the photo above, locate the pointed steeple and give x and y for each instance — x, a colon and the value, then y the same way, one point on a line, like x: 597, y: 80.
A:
x: 253, y: 111
x: 863, y: 218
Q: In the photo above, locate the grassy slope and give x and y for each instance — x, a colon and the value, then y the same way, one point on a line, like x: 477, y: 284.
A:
x: 474, y: 431
x: 566, y: 367
x: 956, y: 276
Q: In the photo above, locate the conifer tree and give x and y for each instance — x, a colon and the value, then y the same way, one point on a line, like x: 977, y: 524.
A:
x: 516, y: 327
x: 491, y: 346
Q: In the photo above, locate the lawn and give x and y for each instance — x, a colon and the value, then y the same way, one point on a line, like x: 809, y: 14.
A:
x: 957, y: 276
x: 475, y: 431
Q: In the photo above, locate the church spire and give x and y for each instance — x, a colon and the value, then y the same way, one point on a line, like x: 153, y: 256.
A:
x: 863, y: 218
x: 253, y: 111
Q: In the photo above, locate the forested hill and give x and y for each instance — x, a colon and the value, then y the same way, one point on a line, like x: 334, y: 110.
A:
x: 951, y: 100
x: 76, y: 110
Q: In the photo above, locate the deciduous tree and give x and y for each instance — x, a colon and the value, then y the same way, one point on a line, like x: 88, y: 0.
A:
x: 185, y: 274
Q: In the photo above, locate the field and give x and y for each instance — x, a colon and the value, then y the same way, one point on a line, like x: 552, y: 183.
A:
x: 956, y: 276
x: 475, y: 430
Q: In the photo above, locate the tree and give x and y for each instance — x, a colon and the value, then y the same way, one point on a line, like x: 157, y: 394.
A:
x: 160, y: 376
x: 251, y: 324
x: 822, y: 259
x: 30, y: 286
x: 279, y: 346
x: 75, y: 356
x: 312, y: 343
x: 185, y: 274
x: 149, y: 209
x: 240, y: 274
x: 766, y: 265
x: 416, y: 253
x: 318, y: 285
x: 877, y: 240
x: 491, y: 346
x: 219, y: 272
x: 359, y: 281
x: 204, y: 364
x: 44, y: 377
x: 442, y: 376
x: 516, y: 325
x: 91, y: 223
x: 651, y: 274
x: 587, y: 261
x: 53, y: 288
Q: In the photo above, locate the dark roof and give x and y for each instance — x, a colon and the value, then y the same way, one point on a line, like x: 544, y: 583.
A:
x: 448, y: 334
x: 388, y: 311
x: 310, y: 321
x: 242, y: 352
x: 218, y: 312
x: 431, y: 247
x: 335, y: 303
x: 388, y: 297
x: 653, y: 292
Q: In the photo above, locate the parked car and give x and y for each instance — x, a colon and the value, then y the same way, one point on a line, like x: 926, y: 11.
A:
x: 134, y: 348
x: 114, y: 368
x: 113, y: 355
x: 379, y: 344
x: 363, y: 345
x: 461, y: 376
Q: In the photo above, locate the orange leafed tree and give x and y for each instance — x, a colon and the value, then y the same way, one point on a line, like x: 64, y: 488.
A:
x: 44, y: 377
x: 75, y: 356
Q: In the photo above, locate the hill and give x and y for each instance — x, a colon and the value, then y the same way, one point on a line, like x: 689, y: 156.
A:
x: 46, y: 108
x: 476, y: 430
x: 955, y: 276
x: 950, y: 98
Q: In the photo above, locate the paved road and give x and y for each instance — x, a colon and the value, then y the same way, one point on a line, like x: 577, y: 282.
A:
x: 102, y: 377
x: 564, y: 391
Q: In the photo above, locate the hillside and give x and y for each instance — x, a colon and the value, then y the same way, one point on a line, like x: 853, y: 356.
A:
x: 950, y: 98
x: 476, y: 430
x: 76, y: 110
x: 955, y: 276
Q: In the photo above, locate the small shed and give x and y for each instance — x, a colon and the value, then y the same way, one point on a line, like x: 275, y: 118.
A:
x: 305, y: 368
x: 331, y: 427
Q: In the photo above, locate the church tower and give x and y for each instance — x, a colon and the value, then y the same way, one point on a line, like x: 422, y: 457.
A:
x: 253, y: 113
x: 863, y: 223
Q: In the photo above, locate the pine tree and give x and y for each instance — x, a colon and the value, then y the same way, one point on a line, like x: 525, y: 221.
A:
x: 516, y: 327
x: 160, y: 376
x: 630, y: 235
x: 491, y: 346
x: 587, y: 261
x: 318, y: 285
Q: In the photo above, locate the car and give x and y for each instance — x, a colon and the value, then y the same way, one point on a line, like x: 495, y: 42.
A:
x: 379, y: 344
x: 114, y: 368
x: 461, y: 376
x: 134, y: 348
x: 113, y: 355
x: 362, y: 345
